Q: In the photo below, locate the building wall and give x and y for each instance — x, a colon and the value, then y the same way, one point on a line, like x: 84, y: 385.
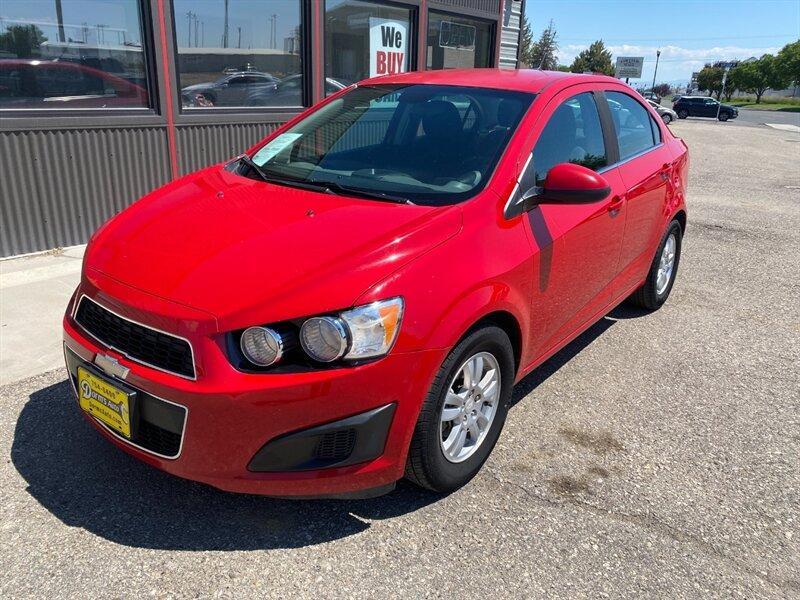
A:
x: 62, y: 175
x: 510, y: 35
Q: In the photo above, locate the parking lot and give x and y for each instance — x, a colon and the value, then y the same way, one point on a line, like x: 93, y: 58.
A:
x: 655, y: 456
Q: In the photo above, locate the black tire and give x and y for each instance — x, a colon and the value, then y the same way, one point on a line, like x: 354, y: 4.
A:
x: 667, y: 118
x: 647, y: 296
x: 683, y: 113
x: 723, y: 117
x: 426, y: 465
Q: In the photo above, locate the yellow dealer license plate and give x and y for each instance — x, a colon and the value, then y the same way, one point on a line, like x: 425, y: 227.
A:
x: 104, y: 401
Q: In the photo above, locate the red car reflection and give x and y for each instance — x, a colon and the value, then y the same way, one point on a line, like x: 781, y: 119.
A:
x: 352, y: 301
x: 37, y: 84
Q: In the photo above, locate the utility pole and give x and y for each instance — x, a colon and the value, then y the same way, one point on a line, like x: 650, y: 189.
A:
x: 239, y: 45
x: 652, y: 89
x: 60, y: 19
x: 225, y: 27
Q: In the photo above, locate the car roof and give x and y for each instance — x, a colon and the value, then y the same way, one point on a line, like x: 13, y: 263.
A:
x: 524, y: 80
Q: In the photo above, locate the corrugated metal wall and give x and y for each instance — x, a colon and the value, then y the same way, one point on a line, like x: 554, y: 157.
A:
x: 509, y: 37
x: 56, y: 186
x: 203, y: 145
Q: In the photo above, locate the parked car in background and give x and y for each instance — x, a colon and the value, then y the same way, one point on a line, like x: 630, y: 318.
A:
x: 232, y: 89
x: 352, y: 301
x: 27, y: 83
x: 652, y: 96
x: 667, y: 114
x: 703, y: 106
x: 287, y: 92
x: 676, y: 97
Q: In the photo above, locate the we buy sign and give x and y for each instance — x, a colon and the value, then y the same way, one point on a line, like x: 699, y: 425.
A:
x: 388, y: 46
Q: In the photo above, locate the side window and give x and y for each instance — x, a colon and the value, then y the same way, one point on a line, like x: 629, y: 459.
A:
x: 631, y: 123
x: 573, y: 134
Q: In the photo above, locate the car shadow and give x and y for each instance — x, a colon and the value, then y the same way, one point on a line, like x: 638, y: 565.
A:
x: 85, y: 482
x: 551, y: 366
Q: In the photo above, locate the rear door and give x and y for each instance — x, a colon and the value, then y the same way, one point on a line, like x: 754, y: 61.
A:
x: 644, y: 165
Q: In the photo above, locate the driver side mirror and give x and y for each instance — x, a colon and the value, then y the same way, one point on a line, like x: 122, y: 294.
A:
x: 567, y: 183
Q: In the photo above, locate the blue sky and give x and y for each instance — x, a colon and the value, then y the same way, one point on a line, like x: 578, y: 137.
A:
x: 688, y: 32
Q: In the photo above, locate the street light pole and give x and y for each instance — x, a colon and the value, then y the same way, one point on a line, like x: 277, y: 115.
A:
x: 653, y: 88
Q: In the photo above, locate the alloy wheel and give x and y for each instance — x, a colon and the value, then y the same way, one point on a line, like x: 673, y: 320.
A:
x: 666, y: 265
x: 470, y: 406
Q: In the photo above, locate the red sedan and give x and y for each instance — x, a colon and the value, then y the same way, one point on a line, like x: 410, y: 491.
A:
x: 352, y: 301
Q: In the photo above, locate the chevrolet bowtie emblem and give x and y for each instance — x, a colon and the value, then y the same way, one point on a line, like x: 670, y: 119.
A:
x: 111, y: 366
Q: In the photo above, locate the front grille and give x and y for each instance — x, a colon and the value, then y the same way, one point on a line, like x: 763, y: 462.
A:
x: 137, y: 342
x: 336, y: 445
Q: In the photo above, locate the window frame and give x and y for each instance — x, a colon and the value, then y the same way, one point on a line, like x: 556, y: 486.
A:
x: 48, y: 118
x: 470, y: 16
x: 208, y: 115
x: 413, y: 8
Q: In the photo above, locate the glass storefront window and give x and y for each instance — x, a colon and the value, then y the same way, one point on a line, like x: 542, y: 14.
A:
x: 239, y: 53
x: 72, y: 54
x: 365, y: 39
x: 458, y: 42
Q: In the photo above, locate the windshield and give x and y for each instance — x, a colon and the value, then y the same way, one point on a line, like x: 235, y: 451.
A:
x: 430, y: 144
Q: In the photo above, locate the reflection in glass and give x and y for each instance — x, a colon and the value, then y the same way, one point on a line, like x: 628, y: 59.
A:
x: 239, y: 53
x: 457, y: 42
x: 71, y: 54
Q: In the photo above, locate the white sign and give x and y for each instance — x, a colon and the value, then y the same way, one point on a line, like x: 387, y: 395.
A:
x: 388, y: 46
x: 629, y: 66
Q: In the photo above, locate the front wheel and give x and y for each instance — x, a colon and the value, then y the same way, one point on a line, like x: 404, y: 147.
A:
x: 723, y: 116
x: 464, y: 412
x: 683, y: 113
x: 661, y: 276
x: 667, y: 118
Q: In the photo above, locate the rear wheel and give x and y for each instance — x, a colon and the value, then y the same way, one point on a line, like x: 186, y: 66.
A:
x: 667, y: 118
x: 683, y: 113
x: 661, y: 276
x: 464, y: 412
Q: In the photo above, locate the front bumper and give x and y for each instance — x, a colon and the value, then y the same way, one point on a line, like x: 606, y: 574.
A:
x: 240, y: 428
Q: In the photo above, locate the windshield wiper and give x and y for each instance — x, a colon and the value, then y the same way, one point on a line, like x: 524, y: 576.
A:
x: 333, y: 187
x: 244, y: 158
x: 330, y: 187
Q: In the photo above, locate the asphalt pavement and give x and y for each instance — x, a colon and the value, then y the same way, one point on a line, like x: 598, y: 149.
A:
x: 656, y: 456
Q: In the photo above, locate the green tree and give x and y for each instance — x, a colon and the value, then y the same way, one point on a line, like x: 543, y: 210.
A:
x: 595, y: 59
x: 563, y: 68
x: 710, y: 80
x: 22, y: 40
x: 543, y: 52
x: 526, y: 45
x: 662, y: 89
x: 789, y: 62
x: 758, y: 76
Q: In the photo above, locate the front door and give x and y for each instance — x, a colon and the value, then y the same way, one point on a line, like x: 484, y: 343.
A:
x: 581, y: 257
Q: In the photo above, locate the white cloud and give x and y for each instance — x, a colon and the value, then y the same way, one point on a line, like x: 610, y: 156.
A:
x: 676, y: 63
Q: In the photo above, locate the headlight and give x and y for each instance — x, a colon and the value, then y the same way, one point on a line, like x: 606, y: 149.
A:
x: 373, y: 328
x: 324, y: 338
x: 262, y: 346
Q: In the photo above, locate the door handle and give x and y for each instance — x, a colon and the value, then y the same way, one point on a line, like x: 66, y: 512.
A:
x: 615, y: 205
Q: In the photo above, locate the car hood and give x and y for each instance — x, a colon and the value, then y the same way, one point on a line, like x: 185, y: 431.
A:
x: 251, y: 252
